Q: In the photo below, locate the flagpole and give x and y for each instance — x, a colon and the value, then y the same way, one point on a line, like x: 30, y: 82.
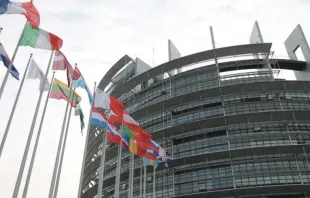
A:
x: 118, y: 169
x: 85, y: 147
x: 22, y: 166
x: 37, y: 140
x: 52, y: 186
x: 11, y: 63
x: 141, y: 178
x: 132, y: 173
x: 130, y: 176
x: 62, y: 152
x: 14, y: 107
x: 154, y: 181
x: 144, y: 182
x: 102, y: 162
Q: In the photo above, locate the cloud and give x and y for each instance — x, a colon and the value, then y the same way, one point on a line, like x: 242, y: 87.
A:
x: 71, y: 16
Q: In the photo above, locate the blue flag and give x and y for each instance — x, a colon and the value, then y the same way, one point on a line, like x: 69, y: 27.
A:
x: 6, y: 61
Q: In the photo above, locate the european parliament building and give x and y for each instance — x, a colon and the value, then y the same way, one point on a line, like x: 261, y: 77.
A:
x: 235, y: 120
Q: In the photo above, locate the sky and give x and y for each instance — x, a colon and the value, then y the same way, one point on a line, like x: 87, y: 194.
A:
x: 96, y: 33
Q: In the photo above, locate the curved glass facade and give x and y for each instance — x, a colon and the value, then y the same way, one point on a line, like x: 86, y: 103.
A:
x: 238, y: 134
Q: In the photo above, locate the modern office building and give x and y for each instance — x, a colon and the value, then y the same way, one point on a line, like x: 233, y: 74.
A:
x: 236, y: 121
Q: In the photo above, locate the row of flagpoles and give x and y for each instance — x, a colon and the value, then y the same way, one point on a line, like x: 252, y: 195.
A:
x: 106, y: 111
x: 35, y: 37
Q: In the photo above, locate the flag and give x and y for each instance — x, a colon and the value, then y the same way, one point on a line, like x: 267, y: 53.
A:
x: 112, y: 135
x: 113, y: 117
x: 149, y: 162
x: 163, y: 156
x: 105, y: 101
x: 155, y: 145
x: 138, y: 148
x: 79, y: 112
x: 78, y: 81
x: 151, y: 154
x: 97, y: 118
x: 62, y: 63
x: 131, y: 127
x: 38, y: 38
x: 115, y: 137
x: 27, y: 9
x: 35, y: 72
x: 61, y: 91
x: 137, y: 133
x: 135, y: 148
x: 6, y: 61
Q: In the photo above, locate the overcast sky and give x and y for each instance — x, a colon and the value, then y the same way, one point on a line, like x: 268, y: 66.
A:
x: 96, y: 33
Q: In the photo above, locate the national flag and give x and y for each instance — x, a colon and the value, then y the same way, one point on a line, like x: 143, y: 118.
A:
x: 38, y: 38
x: 6, y: 61
x: 115, y: 118
x: 131, y: 127
x: 150, y: 154
x: 112, y: 135
x: 79, y: 112
x: 149, y: 162
x: 62, y: 63
x: 136, y: 148
x: 137, y: 133
x: 139, y: 148
x: 27, y: 9
x: 98, y: 118
x: 163, y: 156
x: 133, y: 147
x: 34, y: 72
x: 78, y: 81
x: 115, y: 137
x: 61, y: 91
x: 155, y: 145
x: 105, y: 101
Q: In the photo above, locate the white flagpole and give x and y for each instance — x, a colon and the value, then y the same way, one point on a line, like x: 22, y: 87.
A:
x: 50, y: 195
x: 85, y: 147
x: 22, y: 166
x: 14, y: 107
x: 144, y: 182
x: 154, y: 181
x: 130, y: 176
x: 102, y: 163
x: 141, y: 179
x: 118, y: 170
x: 132, y: 173
x: 62, y: 152
x: 37, y: 140
x: 11, y: 63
